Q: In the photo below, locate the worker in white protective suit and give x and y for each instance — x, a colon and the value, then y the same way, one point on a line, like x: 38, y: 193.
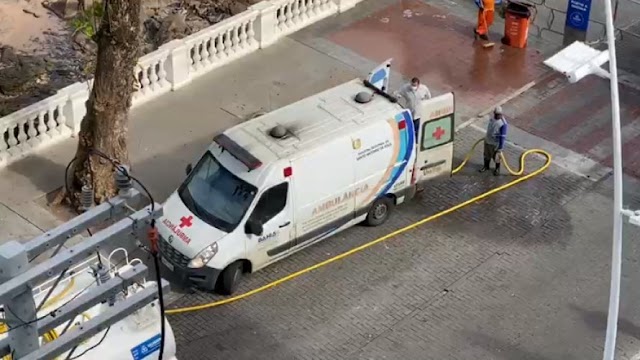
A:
x: 412, y: 94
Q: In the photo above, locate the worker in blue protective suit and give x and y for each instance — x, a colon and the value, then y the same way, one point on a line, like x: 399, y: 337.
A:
x: 494, y: 140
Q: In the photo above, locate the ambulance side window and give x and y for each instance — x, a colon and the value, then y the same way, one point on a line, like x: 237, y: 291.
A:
x: 271, y: 203
x: 437, y: 132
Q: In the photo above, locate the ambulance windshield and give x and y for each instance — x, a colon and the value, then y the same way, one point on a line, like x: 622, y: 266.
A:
x: 215, y: 195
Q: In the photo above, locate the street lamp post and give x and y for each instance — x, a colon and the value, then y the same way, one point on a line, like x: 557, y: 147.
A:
x: 577, y: 61
x: 616, y: 255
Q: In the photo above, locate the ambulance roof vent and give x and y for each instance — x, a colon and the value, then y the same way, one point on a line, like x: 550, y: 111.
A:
x: 363, y: 97
x: 278, y: 132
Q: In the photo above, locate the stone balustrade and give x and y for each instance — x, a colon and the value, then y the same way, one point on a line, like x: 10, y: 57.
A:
x: 222, y: 43
x: 170, y: 67
x: 30, y: 128
x: 293, y: 15
x: 151, y: 76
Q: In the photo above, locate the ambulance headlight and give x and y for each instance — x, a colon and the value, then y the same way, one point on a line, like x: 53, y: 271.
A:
x: 204, y: 256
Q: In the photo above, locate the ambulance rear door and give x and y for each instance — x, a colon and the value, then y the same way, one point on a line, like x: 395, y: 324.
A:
x: 435, y: 138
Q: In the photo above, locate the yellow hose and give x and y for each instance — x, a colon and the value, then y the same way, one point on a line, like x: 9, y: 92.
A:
x: 504, y: 160
x: 61, y: 295
x: 53, y: 334
x: 49, y: 336
x: 3, y: 329
x: 392, y: 234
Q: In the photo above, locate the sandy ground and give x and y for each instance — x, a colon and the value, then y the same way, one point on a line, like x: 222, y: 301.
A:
x: 24, y: 23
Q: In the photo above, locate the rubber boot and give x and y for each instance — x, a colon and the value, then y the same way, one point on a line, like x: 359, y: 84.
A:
x: 496, y: 172
x: 486, y: 166
x: 477, y: 35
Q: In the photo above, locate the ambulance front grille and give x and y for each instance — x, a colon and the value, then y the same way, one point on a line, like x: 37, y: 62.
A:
x: 174, y: 256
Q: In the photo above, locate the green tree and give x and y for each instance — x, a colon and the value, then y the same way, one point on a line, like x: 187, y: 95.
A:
x: 104, y: 127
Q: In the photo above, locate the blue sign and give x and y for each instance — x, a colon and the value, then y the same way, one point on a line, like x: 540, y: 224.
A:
x: 578, y: 14
x: 145, y: 349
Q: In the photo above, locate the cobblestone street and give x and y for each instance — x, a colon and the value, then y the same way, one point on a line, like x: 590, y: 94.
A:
x: 520, y: 275
x: 577, y: 116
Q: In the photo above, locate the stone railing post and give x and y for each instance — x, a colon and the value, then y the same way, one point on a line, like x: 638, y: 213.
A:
x: 344, y: 5
x: 76, y: 106
x: 265, y: 23
x: 178, y: 63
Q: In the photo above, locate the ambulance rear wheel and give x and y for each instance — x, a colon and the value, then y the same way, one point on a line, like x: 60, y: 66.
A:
x: 379, y: 212
x: 229, y: 279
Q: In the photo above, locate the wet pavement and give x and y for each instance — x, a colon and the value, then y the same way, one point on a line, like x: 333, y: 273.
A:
x: 578, y: 117
x: 437, y: 45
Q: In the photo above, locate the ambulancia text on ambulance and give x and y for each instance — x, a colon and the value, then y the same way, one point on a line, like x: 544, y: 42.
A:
x: 275, y: 184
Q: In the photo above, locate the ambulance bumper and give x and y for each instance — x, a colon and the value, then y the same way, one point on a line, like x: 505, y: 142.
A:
x: 204, y: 278
x: 176, y: 266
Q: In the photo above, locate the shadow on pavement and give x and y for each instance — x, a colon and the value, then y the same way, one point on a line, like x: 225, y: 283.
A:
x: 502, y: 349
x: 231, y: 341
x: 162, y: 173
x: 40, y: 179
x: 597, y: 320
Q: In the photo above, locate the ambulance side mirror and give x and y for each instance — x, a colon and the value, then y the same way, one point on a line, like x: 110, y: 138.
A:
x: 188, y: 169
x: 253, y: 227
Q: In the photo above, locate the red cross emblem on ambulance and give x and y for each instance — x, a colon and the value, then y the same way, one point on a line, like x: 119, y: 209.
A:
x: 186, y: 221
x: 439, y: 133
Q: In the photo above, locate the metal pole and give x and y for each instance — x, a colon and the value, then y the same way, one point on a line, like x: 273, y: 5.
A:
x: 20, y: 307
x: 616, y: 256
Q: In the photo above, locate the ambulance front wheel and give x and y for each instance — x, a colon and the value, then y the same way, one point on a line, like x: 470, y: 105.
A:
x: 379, y: 211
x: 229, y: 278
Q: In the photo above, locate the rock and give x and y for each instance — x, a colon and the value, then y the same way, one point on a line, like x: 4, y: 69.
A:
x: 151, y: 26
x: 59, y: 8
x: 237, y: 7
x: 8, y: 55
x: 85, y: 42
x: 24, y: 74
x: 155, y: 4
x: 26, y: 11
x: 215, y: 18
x: 172, y: 27
x: 32, y: 64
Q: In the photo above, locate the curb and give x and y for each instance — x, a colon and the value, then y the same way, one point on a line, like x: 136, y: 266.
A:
x: 485, y: 112
x: 567, y: 159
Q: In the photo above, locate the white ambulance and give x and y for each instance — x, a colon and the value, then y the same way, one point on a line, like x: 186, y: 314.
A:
x: 278, y: 183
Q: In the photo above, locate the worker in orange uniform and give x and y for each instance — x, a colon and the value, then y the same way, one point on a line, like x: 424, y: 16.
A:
x: 486, y: 11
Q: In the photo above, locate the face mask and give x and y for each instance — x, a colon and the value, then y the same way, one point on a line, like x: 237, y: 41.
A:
x: 414, y: 88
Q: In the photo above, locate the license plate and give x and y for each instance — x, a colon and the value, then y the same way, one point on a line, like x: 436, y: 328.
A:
x: 167, y: 263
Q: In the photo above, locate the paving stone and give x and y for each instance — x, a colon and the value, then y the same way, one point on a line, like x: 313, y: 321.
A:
x: 578, y: 117
x: 335, y: 311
